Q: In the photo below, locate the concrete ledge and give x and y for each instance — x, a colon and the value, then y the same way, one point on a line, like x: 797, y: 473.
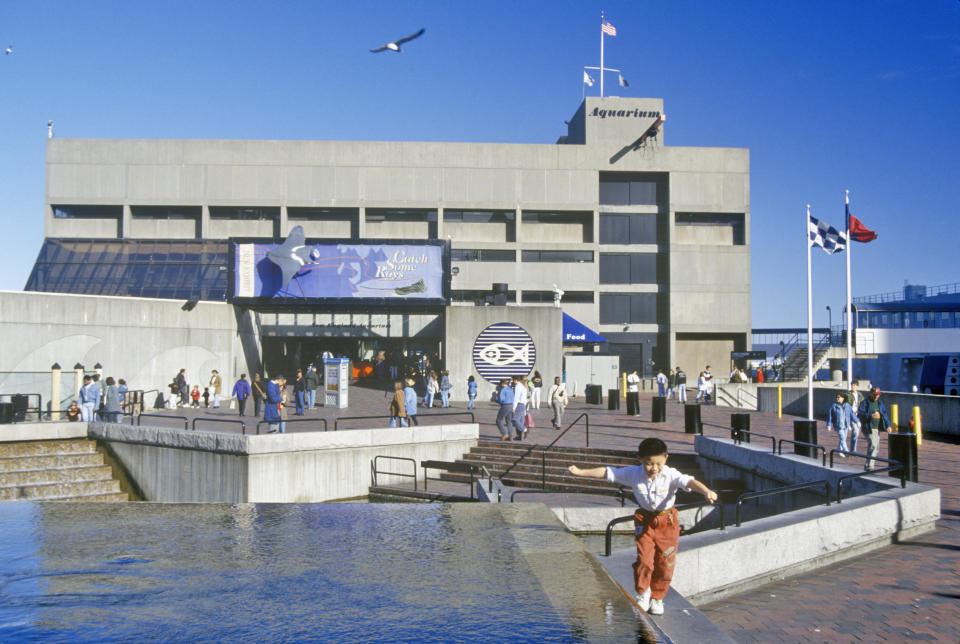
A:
x: 176, y: 465
x: 63, y: 430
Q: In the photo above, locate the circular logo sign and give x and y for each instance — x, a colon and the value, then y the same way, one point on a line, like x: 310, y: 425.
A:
x: 503, y: 350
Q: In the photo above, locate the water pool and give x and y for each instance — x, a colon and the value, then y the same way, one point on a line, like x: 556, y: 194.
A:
x: 304, y: 572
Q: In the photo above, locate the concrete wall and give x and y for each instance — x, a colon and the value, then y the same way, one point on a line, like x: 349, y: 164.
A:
x: 171, y: 465
x: 464, y: 324
x: 144, y: 341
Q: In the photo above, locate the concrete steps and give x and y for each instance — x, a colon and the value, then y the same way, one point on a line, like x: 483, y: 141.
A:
x: 57, y: 470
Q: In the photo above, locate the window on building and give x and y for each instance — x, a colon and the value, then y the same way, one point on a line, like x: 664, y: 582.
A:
x: 628, y: 268
x: 482, y: 255
x: 568, y: 256
x: 628, y: 189
x: 87, y: 212
x: 322, y: 214
x: 628, y: 308
x: 558, y: 226
x: 242, y: 213
x: 710, y: 228
x: 478, y: 295
x: 569, y: 297
x: 166, y: 212
x: 480, y: 216
x: 628, y: 228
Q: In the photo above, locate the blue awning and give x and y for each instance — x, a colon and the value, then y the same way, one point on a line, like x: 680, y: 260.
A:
x: 575, y: 332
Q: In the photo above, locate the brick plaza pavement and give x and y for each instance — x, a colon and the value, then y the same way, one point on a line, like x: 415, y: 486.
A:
x: 909, y: 591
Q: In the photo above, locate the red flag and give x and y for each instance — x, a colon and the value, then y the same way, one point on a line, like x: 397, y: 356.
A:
x: 859, y: 232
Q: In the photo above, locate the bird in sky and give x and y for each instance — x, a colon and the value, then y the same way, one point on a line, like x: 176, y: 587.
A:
x: 8, y: 50
x: 395, y: 46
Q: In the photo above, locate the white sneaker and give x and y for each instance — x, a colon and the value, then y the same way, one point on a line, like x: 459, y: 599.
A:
x: 841, y: 455
x: 644, y: 600
x: 656, y: 607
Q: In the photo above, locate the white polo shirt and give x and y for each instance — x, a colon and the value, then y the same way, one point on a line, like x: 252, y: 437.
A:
x: 654, y: 495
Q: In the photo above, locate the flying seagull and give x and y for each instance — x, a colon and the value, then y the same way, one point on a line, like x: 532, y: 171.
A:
x: 9, y: 50
x: 395, y: 46
x: 292, y: 255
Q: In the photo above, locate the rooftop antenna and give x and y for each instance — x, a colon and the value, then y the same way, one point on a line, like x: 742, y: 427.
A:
x: 49, y: 129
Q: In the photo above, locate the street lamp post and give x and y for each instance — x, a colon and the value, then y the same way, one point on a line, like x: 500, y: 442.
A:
x: 829, y: 326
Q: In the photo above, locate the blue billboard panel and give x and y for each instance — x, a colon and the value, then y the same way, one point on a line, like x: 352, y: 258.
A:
x: 338, y: 270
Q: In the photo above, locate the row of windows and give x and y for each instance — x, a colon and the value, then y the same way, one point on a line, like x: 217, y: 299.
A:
x: 527, y: 297
x: 909, y: 320
x: 629, y: 188
x: 628, y: 308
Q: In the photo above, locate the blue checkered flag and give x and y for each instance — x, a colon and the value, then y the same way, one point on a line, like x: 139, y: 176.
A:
x: 825, y: 236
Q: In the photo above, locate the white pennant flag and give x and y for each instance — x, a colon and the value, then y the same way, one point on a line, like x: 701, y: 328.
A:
x: 588, y: 79
x: 623, y: 81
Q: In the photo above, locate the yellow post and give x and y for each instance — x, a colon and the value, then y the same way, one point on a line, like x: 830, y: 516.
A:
x: 894, y: 417
x: 916, y: 425
x: 623, y: 385
x: 779, y: 401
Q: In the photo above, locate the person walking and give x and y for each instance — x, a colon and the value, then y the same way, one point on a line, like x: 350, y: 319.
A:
x: 671, y: 384
x: 410, y: 401
x: 182, y: 388
x: 256, y: 389
x: 241, y: 391
x: 505, y: 396
x: 471, y: 393
x: 299, y: 392
x: 536, y: 390
x: 312, y: 381
x: 215, y: 387
x: 445, y: 387
x: 842, y: 418
x: 271, y: 409
x: 557, y: 398
x: 398, y: 406
x: 873, y: 420
x: 681, y: 386
x: 661, y: 383
x: 432, y: 388
x: 521, y: 397
x: 88, y: 399
x: 633, y: 394
x: 111, y: 402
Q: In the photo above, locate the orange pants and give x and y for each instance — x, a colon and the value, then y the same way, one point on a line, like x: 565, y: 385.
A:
x: 656, y: 536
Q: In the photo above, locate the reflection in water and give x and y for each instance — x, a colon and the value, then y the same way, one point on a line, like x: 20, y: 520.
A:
x: 345, y: 572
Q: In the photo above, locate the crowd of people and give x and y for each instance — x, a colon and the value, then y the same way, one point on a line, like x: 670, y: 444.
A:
x: 98, y: 400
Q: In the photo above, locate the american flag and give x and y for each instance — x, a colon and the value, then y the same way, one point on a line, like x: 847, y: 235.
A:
x: 608, y: 29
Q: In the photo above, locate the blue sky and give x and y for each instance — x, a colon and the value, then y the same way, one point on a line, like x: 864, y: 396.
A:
x: 828, y: 96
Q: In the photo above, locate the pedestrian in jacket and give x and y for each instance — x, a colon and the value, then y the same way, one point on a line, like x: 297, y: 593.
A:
x: 398, y: 406
x: 241, y: 391
x: 873, y: 420
x: 410, y: 401
x: 842, y: 418
x: 273, y: 400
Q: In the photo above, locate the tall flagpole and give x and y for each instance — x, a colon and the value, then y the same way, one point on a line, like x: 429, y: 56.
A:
x: 601, y: 54
x: 849, y: 311
x: 806, y: 228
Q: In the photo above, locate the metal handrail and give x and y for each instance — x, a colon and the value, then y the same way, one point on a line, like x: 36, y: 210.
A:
x: 243, y: 425
x: 576, y: 420
x: 436, y: 465
x: 816, y: 447
x: 608, y: 533
x: 746, y: 496
x: 336, y: 422
x: 897, y: 465
x: 739, y: 432
x: 186, y: 421
x: 295, y: 420
x: 374, y: 471
x: 619, y: 492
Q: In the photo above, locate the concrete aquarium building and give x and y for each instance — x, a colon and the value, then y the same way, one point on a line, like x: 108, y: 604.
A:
x: 161, y: 254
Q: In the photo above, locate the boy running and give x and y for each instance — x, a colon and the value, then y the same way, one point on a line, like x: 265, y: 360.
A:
x: 657, y: 528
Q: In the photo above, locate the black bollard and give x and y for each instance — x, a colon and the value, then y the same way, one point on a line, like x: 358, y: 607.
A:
x: 903, y: 448
x: 691, y: 418
x: 740, y: 421
x: 658, y: 411
x: 805, y: 431
x: 613, y: 399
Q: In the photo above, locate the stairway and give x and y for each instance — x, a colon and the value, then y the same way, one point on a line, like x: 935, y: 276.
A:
x: 795, y: 366
x: 56, y: 470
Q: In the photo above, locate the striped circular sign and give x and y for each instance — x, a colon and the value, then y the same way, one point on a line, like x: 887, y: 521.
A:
x: 503, y: 350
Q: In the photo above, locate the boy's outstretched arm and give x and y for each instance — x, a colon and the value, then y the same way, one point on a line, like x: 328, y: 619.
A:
x: 697, y: 486
x: 593, y: 472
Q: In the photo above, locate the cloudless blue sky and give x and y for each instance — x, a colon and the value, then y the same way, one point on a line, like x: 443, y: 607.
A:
x: 827, y: 95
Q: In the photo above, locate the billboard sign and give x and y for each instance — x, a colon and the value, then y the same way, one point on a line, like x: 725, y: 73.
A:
x: 344, y: 271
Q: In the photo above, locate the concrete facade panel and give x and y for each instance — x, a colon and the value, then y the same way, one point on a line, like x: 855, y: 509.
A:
x: 161, y: 229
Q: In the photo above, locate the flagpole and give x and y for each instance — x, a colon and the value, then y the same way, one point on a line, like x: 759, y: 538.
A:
x: 849, y: 311
x: 601, y: 54
x: 806, y: 228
